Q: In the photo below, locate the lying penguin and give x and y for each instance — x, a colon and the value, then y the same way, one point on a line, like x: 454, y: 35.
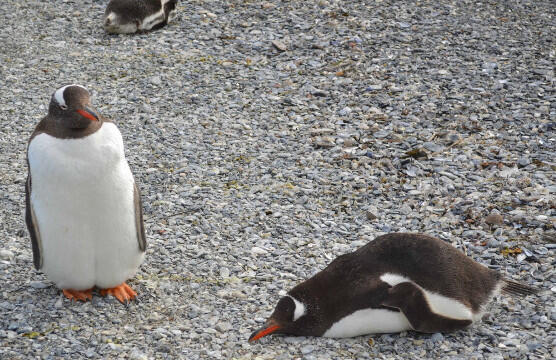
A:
x: 396, y: 282
x: 84, y: 210
x: 130, y: 16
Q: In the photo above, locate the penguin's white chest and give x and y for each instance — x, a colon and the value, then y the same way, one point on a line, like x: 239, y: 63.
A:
x: 368, y: 321
x: 82, y: 196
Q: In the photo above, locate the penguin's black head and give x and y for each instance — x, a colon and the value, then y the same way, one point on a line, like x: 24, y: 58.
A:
x: 289, y: 317
x: 71, y: 107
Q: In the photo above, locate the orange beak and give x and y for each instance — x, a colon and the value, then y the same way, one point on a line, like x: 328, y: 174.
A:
x: 88, y: 113
x: 268, y: 329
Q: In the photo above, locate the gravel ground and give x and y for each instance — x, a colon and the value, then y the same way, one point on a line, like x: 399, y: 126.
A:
x: 269, y: 138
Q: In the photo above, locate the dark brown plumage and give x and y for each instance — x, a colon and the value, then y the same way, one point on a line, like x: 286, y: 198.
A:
x: 395, y: 272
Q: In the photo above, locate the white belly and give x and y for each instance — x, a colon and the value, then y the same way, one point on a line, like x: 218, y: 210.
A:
x: 82, y: 195
x: 369, y: 321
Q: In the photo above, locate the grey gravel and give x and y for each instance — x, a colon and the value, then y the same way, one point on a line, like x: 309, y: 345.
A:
x: 259, y: 164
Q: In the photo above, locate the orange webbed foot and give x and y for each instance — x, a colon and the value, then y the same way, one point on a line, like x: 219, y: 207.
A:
x: 77, y: 295
x: 122, y: 292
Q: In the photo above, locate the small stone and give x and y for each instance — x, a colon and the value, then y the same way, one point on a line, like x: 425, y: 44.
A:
x: 437, y: 337
x: 381, y: 134
x: 493, y: 243
x: 279, y: 45
x: 452, y: 138
x: 345, y: 111
x: 307, y: 349
x: 375, y: 87
x: 349, y: 142
x: 386, y: 228
x: 371, y: 216
x: 156, y: 80
x: 494, y: 219
x: 164, y: 348
x: 417, y: 153
x: 432, y: 147
x: 532, y: 346
x: 319, y: 93
x: 147, y: 108
x: 6, y: 254
x: 90, y: 352
x: 223, y: 326
x: 38, y: 285
x: 523, y: 162
x: 224, y: 272
x: 255, y: 250
x: 324, y: 141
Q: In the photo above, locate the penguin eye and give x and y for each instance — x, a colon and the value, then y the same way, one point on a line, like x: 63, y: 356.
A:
x: 63, y: 107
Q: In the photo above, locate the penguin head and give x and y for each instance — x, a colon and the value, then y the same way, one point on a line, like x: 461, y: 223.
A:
x: 120, y: 22
x: 290, y: 316
x: 71, y: 108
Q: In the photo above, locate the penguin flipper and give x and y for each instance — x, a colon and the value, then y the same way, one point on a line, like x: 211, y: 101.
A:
x: 32, y: 226
x: 139, y: 226
x: 411, y: 301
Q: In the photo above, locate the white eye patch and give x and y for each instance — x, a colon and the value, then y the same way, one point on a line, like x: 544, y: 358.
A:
x: 59, y: 94
x: 299, y: 308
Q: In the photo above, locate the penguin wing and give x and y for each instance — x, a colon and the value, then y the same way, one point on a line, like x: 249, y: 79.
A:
x: 413, y: 303
x: 140, y: 228
x: 32, y: 225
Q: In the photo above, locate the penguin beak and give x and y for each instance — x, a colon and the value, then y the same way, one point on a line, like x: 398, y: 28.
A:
x: 88, y: 113
x: 268, y: 329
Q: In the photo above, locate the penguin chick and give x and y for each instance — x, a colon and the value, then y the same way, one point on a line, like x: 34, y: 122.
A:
x: 83, y: 207
x: 130, y: 16
x: 396, y: 282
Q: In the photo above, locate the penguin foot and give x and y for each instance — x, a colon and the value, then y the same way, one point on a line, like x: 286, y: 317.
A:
x: 121, y: 292
x: 77, y: 295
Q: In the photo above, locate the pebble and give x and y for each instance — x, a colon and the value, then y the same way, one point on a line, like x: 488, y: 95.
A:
x: 225, y: 272
x: 6, y: 254
x: 279, y: 45
x: 320, y: 93
x: 523, y: 162
x: 307, y: 349
x: 156, y: 80
x: 375, y: 87
x: 494, y: 219
x: 136, y: 354
x: 258, y: 251
x: 224, y: 326
x: 38, y: 285
x: 437, y: 337
x: 432, y: 147
x: 371, y: 216
x: 345, y: 111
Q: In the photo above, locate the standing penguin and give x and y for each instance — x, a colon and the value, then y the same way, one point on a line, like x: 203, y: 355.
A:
x: 84, y: 210
x: 129, y: 16
x: 396, y: 282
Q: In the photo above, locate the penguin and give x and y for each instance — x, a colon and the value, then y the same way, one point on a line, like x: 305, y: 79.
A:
x: 397, y: 282
x: 130, y: 16
x: 83, y: 206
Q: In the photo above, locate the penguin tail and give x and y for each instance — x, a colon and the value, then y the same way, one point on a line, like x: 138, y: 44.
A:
x: 514, y: 288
